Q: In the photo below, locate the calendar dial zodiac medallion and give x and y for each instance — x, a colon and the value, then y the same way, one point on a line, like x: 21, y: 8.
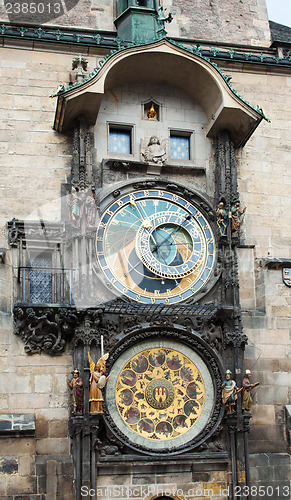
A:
x: 160, y: 394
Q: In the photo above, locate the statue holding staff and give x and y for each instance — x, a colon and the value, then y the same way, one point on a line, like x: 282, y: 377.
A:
x: 229, y: 392
x: 247, y: 396
x: 97, y: 382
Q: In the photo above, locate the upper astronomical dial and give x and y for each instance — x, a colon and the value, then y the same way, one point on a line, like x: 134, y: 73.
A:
x: 155, y: 247
x: 166, y: 237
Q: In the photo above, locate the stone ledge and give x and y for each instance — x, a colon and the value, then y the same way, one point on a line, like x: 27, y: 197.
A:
x: 276, y: 263
x: 216, y: 461
x: 17, y: 424
x: 261, y: 460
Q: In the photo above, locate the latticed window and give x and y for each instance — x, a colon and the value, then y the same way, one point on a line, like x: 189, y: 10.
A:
x: 120, y: 140
x: 40, y: 275
x: 180, y: 147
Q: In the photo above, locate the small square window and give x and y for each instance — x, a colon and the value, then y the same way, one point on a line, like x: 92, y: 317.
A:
x: 179, y: 146
x: 120, y: 140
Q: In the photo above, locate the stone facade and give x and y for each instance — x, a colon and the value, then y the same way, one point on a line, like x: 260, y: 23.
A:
x: 36, y: 457
x: 243, y: 23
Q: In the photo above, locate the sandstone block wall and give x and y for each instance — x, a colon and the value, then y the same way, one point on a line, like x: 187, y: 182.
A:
x: 33, y: 157
x: 264, y: 178
x: 271, y: 475
x: 245, y: 23
x: 35, y: 161
x: 178, y: 480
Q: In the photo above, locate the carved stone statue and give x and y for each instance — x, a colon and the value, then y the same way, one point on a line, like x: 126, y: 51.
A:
x: 247, y: 396
x: 82, y: 205
x: 236, y: 215
x: 90, y: 210
x: 77, y: 387
x: 75, y: 204
x: 229, y: 392
x: 13, y: 233
x: 97, y: 382
x: 162, y: 19
x: 154, y: 151
x: 80, y: 64
x: 222, y: 218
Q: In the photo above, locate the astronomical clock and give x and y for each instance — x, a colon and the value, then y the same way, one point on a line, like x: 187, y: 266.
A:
x: 155, y: 246
x: 156, y: 249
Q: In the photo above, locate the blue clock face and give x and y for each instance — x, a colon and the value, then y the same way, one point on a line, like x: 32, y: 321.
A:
x: 154, y: 246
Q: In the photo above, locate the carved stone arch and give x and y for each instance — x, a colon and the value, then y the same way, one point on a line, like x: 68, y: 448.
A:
x: 205, y: 204
x: 154, y: 62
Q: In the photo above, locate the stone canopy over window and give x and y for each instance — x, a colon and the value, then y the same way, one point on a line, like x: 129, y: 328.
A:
x: 158, y: 62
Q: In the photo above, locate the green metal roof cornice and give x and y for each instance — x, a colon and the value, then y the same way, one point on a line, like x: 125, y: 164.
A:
x: 106, y: 40
x: 201, y: 53
x: 64, y: 36
x: 195, y: 50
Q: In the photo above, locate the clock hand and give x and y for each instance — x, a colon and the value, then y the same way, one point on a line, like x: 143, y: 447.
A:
x: 177, y: 244
x: 188, y: 217
x: 134, y: 205
x: 147, y: 222
x: 146, y: 225
x: 140, y: 262
x: 132, y: 268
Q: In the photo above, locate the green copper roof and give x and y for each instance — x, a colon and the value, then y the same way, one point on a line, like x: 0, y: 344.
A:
x: 195, y: 50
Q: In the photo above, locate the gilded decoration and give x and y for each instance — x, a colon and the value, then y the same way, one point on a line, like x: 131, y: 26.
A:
x: 160, y: 393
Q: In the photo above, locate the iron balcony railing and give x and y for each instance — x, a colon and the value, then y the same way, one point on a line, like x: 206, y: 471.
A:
x: 45, y: 285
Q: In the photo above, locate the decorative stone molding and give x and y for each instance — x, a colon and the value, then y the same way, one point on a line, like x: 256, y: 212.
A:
x: 44, y: 329
x: 226, y: 110
x: 32, y: 231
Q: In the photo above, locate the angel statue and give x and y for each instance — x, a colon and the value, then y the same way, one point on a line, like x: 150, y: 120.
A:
x: 154, y: 151
x: 97, y: 382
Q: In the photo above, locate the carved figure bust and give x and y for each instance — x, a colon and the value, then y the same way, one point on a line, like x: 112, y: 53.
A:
x: 154, y: 151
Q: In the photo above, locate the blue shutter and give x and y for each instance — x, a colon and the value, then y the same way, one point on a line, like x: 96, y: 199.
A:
x: 120, y: 141
x: 180, y: 147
